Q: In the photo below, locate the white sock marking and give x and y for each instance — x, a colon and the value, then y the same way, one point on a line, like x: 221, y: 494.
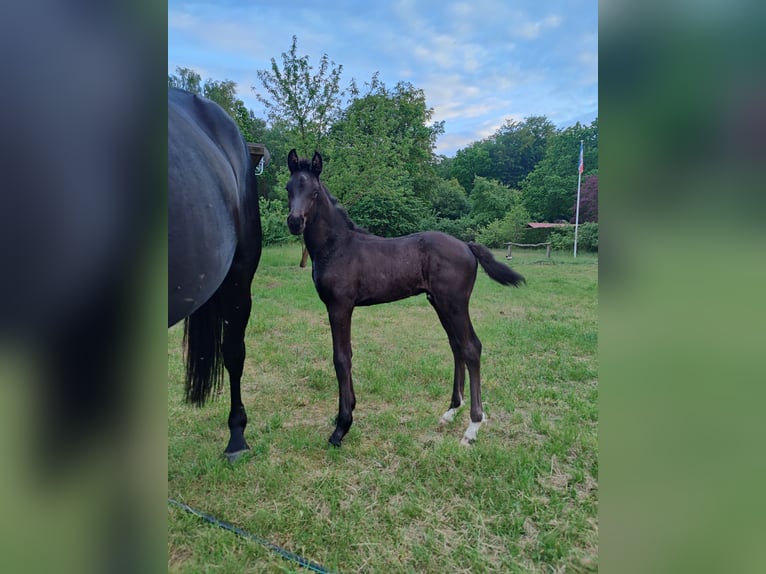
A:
x: 469, y: 437
x: 449, y: 416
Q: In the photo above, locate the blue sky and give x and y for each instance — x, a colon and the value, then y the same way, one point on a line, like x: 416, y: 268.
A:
x: 479, y: 62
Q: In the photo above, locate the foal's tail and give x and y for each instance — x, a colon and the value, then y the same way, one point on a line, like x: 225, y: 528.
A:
x: 496, y: 270
x: 203, y: 337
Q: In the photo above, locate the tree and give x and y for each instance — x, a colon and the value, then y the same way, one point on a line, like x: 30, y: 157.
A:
x: 469, y: 162
x: 450, y: 200
x: 509, y: 228
x: 549, y: 191
x: 517, y: 147
x: 490, y: 200
x: 507, y: 156
x: 305, y: 101
x: 252, y: 127
x: 185, y: 79
x: 382, y: 147
x: 588, y: 201
x: 388, y: 212
x: 224, y: 93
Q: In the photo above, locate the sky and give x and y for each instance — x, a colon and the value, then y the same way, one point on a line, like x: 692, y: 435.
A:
x: 479, y: 63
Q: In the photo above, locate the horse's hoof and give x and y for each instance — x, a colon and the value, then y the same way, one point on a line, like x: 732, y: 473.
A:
x: 335, y: 442
x: 467, y: 441
x: 234, y: 456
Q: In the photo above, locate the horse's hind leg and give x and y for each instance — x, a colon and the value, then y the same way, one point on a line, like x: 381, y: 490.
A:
x: 472, y: 355
x: 458, y: 384
x: 466, y: 349
x: 236, y: 303
x: 458, y: 381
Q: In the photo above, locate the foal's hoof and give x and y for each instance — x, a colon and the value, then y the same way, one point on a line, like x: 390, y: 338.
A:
x: 334, y: 441
x: 467, y: 441
x: 234, y: 456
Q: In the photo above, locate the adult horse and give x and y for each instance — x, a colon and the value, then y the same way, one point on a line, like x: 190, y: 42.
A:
x: 214, y: 245
x: 352, y: 267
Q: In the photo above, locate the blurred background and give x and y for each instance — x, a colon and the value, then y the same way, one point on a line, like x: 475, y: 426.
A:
x: 82, y: 289
x: 83, y: 316
x: 683, y: 118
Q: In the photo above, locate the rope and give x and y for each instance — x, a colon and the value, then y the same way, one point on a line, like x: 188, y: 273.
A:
x: 314, y: 567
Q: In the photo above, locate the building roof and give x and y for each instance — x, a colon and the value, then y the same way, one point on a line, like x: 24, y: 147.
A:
x: 543, y: 225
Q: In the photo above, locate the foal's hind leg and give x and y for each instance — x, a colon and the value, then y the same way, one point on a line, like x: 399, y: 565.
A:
x: 458, y: 382
x: 458, y: 385
x: 472, y: 356
x: 466, y: 349
x: 236, y: 302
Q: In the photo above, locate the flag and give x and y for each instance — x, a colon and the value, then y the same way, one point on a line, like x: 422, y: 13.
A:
x: 580, y: 166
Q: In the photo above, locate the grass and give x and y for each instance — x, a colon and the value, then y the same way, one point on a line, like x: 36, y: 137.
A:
x: 401, y: 494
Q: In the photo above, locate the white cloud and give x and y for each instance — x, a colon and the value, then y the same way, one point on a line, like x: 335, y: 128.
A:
x: 180, y: 20
x: 479, y: 63
x: 532, y: 30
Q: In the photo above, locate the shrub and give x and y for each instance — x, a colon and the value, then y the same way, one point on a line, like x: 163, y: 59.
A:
x: 463, y: 228
x: 450, y: 201
x: 587, y: 237
x: 535, y: 235
x: 509, y: 228
x: 388, y: 213
x: 273, y: 221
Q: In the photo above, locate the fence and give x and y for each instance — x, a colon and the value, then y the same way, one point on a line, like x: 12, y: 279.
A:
x: 547, y: 244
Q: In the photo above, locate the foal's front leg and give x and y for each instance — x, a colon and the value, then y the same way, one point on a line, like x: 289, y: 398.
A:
x: 340, y: 325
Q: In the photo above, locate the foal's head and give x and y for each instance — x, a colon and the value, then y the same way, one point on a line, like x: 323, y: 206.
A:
x: 303, y: 188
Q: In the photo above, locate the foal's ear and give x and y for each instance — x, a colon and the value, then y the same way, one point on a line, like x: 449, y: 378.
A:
x: 292, y: 160
x: 316, y: 164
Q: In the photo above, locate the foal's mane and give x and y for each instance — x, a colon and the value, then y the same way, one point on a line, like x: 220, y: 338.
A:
x: 342, y: 211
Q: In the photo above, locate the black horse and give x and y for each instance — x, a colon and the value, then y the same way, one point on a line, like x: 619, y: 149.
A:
x: 214, y: 245
x: 352, y: 267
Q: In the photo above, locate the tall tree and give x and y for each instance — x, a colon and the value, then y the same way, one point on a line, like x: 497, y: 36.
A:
x: 380, y: 153
x: 507, y: 156
x: 186, y: 79
x: 517, y: 147
x: 549, y: 191
x: 253, y: 128
x: 469, y: 162
x: 305, y: 100
x: 224, y: 93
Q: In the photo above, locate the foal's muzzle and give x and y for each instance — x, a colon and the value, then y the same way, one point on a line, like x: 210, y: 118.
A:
x: 296, y: 223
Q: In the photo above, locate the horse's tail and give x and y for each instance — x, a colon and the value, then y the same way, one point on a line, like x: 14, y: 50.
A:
x: 203, y: 337
x: 496, y: 270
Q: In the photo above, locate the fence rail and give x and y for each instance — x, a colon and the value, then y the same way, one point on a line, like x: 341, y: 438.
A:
x: 547, y: 245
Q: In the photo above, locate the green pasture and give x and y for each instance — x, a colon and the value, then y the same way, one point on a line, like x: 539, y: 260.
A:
x: 401, y: 494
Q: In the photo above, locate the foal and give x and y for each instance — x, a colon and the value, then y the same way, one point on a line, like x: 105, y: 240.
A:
x: 351, y: 267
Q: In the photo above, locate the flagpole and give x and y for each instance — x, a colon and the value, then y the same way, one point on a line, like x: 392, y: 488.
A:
x: 577, y: 209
